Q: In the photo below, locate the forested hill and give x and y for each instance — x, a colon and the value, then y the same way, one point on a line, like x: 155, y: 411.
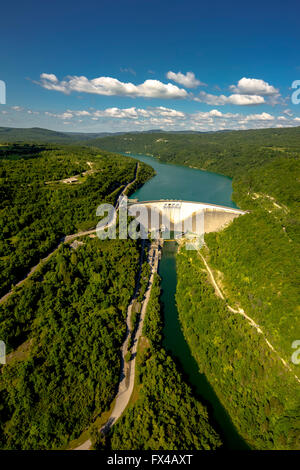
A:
x: 37, y: 134
x: 225, y: 152
x: 259, y: 253
x: 260, y: 161
x: 256, y: 260
x: 38, y: 206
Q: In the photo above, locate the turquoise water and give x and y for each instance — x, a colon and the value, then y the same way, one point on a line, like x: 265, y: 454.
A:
x: 187, y: 184
x: 175, y: 343
x: 178, y: 182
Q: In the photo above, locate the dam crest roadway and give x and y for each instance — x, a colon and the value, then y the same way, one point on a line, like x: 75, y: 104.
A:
x: 174, y: 212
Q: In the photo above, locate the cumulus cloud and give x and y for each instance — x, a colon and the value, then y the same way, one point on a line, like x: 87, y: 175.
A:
x: 247, y: 92
x: 215, y: 113
x: 168, y: 112
x: 236, y: 99
x: 50, y: 82
x: 120, y: 113
x: 260, y: 117
x: 138, y: 118
x: 188, y: 80
x: 168, y: 118
x: 65, y: 115
x: 109, y: 86
x: 253, y: 86
x: 50, y: 77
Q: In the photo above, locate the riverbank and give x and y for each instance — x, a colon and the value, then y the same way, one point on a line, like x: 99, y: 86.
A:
x: 174, y: 181
x: 128, y: 367
x: 175, y: 343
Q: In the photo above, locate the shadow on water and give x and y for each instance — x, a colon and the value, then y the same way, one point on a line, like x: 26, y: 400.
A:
x: 175, y: 343
x: 183, y: 183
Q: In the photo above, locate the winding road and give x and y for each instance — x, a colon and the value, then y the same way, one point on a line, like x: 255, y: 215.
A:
x: 127, y: 375
x: 241, y: 312
x: 67, y: 239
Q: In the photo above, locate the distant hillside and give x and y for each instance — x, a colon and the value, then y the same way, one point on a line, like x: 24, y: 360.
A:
x: 34, y: 134
x: 226, y: 152
x: 37, y: 134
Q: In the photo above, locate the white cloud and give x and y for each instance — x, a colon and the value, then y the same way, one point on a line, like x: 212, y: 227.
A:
x: 65, y: 115
x: 109, y: 86
x: 215, y: 113
x: 236, y: 99
x: 188, y: 80
x: 117, y: 113
x: 247, y: 92
x: 168, y: 112
x: 259, y: 117
x: 253, y: 86
x: 120, y: 113
x: 133, y: 118
x: 50, y: 77
x: 161, y: 116
x: 50, y: 82
x: 80, y: 113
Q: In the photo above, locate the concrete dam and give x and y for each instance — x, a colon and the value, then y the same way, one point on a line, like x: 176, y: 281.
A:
x: 181, y: 216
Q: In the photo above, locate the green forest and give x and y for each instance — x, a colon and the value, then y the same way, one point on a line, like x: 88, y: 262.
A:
x: 251, y: 382
x: 257, y: 263
x: 38, y: 207
x: 71, y: 319
x: 64, y: 327
x: 259, y: 253
x: 165, y: 416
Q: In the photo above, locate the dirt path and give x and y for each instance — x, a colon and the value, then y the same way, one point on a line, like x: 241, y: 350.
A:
x: 66, y: 239
x: 250, y: 320
x: 127, y: 375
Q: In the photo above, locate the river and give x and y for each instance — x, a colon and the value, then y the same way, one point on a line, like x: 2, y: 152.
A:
x: 189, y: 184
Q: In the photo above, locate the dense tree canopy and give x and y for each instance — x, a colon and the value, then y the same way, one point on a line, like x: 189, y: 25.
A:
x: 257, y: 262
x: 72, y: 315
x: 37, y: 206
x: 259, y: 393
x: 166, y: 415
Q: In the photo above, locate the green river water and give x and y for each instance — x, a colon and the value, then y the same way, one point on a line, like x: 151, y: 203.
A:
x: 183, y: 183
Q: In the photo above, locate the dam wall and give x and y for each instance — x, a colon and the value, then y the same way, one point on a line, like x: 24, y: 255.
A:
x: 200, y: 217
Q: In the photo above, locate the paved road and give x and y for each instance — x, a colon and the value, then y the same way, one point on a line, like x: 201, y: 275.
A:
x: 127, y: 375
x: 68, y: 238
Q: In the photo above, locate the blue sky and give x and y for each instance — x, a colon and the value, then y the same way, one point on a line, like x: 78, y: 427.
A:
x: 98, y: 66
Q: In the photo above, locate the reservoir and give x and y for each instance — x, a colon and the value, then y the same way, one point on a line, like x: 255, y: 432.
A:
x: 187, y: 184
x: 183, y: 183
